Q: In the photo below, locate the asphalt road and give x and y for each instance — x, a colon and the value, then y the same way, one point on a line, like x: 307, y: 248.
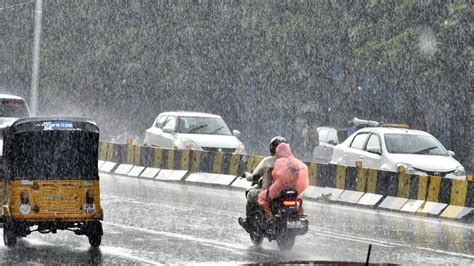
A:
x: 150, y: 222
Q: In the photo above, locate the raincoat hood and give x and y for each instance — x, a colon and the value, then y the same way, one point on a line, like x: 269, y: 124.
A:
x: 283, y: 150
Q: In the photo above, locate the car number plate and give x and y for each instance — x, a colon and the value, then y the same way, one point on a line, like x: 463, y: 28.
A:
x: 294, y: 224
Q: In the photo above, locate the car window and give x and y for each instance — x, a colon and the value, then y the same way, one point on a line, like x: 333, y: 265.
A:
x: 170, y: 123
x: 374, y: 141
x: 332, y: 137
x: 323, y: 134
x: 359, y: 141
x: 160, y: 121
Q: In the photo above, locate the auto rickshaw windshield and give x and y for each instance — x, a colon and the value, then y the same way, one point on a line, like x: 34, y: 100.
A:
x: 53, y: 155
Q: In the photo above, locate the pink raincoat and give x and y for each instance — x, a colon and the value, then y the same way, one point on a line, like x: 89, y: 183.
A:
x: 288, y: 173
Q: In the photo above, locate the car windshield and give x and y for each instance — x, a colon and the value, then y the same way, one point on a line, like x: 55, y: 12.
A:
x: 413, y: 144
x: 13, y: 108
x: 202, y: 125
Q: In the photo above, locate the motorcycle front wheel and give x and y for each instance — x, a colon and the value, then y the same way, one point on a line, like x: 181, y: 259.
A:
x: 256, y: 239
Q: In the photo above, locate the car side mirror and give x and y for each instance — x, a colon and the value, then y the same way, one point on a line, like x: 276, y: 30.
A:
x: 452, y: 153
x: 236, y: 133
x: 168, y: 130
x: 332, y: 142
x: 375, y: 149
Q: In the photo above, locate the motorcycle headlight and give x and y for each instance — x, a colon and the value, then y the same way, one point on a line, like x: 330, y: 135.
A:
x: 406, y: 168
x: 460, y: 171
x: 240, y: 149
x: 190, y: 145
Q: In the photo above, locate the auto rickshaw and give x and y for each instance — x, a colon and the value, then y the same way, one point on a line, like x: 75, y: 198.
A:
x: 49, y: 180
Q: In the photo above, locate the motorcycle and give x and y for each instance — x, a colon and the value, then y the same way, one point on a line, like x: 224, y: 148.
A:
x: 285, y: 223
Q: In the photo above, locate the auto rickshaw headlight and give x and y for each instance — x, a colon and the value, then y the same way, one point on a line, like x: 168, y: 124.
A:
x: 89, y: 197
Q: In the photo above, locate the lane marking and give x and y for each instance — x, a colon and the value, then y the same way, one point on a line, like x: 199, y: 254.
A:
x: 204, y: 241
x: 352, y: 239
x: 120, y: 252
x: 389, y: 244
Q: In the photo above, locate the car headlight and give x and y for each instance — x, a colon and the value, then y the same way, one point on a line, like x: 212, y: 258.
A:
x: 190, y: 145
x: 406, y: 168
x: 240, y: 149
x: 460, y: 171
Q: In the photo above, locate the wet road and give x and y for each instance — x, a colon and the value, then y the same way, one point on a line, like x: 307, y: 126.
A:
x: 150, y: 222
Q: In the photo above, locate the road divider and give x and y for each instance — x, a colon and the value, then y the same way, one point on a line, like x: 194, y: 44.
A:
x: 357, y: 186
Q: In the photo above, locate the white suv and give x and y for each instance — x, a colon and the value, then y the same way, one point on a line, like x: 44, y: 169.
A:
x: 390, y: 149
x: 191, y: 130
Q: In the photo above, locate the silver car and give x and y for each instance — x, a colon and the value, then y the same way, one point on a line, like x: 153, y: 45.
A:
x: 192, y: 130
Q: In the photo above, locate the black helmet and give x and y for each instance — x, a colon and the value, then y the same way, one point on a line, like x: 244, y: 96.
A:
x: 275, y: 142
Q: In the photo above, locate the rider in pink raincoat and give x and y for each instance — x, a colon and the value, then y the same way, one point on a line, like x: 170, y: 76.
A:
x: 288, y: 173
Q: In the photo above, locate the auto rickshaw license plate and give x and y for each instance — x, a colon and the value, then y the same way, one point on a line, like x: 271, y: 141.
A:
x: 294, y: 224
x: 89, y: 208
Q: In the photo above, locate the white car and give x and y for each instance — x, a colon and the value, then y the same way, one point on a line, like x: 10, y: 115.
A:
x: 387, y: 149
x: 11, y: 108
x: 191, y: 130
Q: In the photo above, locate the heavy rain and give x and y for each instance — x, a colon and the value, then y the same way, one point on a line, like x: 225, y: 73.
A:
x: 375, y: 97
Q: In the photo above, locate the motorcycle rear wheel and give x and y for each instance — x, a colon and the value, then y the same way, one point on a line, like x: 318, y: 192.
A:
x: 286, y: 242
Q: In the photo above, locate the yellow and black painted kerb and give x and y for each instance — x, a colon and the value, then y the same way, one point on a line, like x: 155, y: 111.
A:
x: 195, y: 157
x: 119, y: 153
x: 387, y: 184
x: 102, y: 150
x: 470, y: 194
x: 147, y: 156
x: 326, y: 174
x: 106, y: 150
x: 207, y: 162
x: 234, y: 164
x: 430, y: 188
x: 133, y: 154
x: 361, y: 185
x: 411, y: 186
x: 351, y: 178
x: 244, y: 159
x: 312, y: 173
x: 253, y: 161
x: 217, y: 162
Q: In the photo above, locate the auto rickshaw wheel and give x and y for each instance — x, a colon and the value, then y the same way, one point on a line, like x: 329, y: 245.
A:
x: 94, y: 240
x: 94, y: 234
x: 9, y: 237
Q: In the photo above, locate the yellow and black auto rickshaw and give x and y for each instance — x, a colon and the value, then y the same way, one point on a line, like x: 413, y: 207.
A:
x: 49, y: 179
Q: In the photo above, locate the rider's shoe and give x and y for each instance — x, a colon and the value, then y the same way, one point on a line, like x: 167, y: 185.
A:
x: 244, y: 223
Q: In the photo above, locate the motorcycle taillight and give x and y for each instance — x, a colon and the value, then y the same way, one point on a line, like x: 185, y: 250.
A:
x: 289, y: 203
